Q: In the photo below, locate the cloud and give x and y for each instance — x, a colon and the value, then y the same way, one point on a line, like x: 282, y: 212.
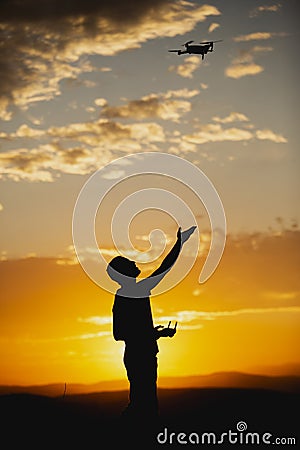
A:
x: 38, y: 79
x: 76, y: 337
x: 148, y: 107
x: 96, y: 145
x: 233, y: 117
x: 193, y: 319
x: 42, y: 45
x: 83, y: 10
x: 282, y: 295
x: 186, y: 69
x: 86, y: 336
x: 80, y: 147
x: 184, y: 93
x: 241, y: 70
x: 253, y: 37
x: 26, y: 131
x: 182, y: 146
x: 105, y: 69
x: 86, y: 13
x: 166, y: 106
x: 265, y: 8
x: 258, y: 36
x: 45, y: 162
x: 107, y: 133
x: 4, y: 113
x: 197, y: 292
x: 21, y: 164
x: 147, y: 132
x: 218, y: 132
x: 96, y: 320
x: 244, y: 64
x: 187, y: 316
x: 270, y: 136
x: 100, y: 101
x: 213, y: 26
x: 215, y: 133
x: 114, y: 175
x: 261, y: 49
x: 1, y: 207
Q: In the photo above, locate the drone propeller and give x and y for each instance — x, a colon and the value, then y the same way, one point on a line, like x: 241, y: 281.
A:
x: 211, y: 42
x: 174, y: 50
x: 187, y: 43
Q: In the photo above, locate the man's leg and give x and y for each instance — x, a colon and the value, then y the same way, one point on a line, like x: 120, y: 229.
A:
x: 142, y: 376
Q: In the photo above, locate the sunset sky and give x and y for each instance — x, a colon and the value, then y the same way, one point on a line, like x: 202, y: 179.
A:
x: 86, y: 82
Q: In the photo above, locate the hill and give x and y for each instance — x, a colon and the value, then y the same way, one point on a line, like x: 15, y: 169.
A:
x: 92, y: 420
x: 287, y: 383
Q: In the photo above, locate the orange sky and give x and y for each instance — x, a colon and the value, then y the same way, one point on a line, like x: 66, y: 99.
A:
x: 75, y: 97
x: 55, y: 323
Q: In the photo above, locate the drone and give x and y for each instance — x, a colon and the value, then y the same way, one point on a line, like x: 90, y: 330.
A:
x: 197, y: 49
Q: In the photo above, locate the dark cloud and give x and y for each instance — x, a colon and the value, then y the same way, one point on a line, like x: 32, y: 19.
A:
x: 24, y: 161
x: 31, y: 30
x: 118, y: 11
x: 136, y: 108
x: 72, y: 156
x: 41, y: 42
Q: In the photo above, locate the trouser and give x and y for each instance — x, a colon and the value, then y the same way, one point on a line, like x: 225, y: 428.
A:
x: 142, y: 375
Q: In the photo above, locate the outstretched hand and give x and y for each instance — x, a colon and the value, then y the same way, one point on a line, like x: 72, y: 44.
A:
x: 165, y: 331
x: 185, y: 235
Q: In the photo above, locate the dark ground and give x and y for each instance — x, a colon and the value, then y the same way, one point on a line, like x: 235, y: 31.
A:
x: 92, y: 421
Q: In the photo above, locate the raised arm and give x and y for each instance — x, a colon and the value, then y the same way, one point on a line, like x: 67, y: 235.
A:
x: 168, y: 261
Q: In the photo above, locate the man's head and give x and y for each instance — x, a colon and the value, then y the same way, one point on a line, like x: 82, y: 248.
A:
x: 120, y: 268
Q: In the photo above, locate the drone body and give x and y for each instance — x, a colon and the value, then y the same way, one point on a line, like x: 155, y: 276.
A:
x: 196, y: 49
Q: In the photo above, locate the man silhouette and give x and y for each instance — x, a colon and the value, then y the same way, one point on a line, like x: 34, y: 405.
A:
x: 133, y: 323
